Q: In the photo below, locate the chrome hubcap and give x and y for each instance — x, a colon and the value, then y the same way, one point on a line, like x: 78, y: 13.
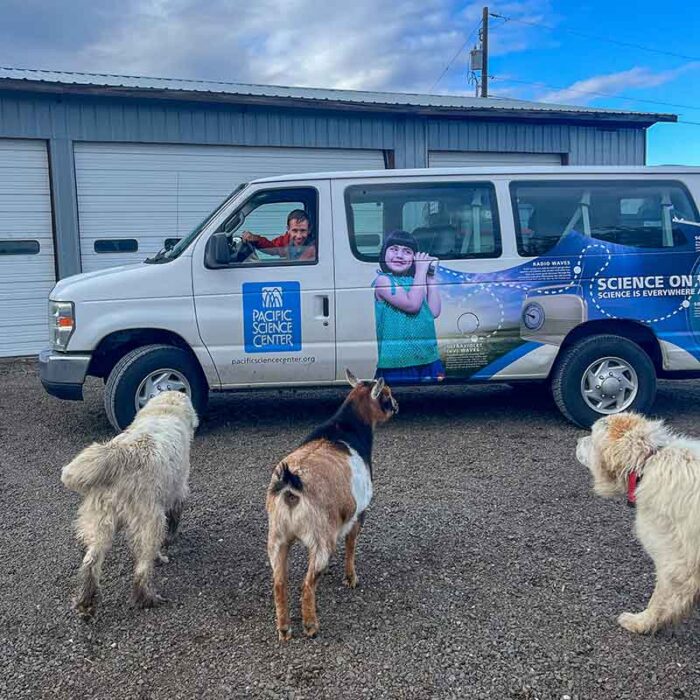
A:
x: 609, y: 385
x: 159, y: 381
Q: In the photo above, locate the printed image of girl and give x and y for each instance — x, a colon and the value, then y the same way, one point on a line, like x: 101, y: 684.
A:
x: 406, y: 304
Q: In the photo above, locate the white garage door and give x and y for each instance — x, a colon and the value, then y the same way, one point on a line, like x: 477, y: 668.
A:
x: 456, y: 159
x: 27, y: 271
x: 133, y: 197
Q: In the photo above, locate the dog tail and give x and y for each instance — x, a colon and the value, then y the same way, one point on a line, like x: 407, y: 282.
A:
x: 96, y: 465
x: 288, y: 484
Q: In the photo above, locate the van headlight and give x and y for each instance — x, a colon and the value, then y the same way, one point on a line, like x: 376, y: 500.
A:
x: 61, y: 323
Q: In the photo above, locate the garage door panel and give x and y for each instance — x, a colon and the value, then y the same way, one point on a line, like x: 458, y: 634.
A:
x: 20, y: 184
x: 130, y: 229
x: 147, y: 245
x: 17, y: 212
x: 28, y: 314
x: 27, y: 154
x: 156, y: 191
x: 24, y: 290
x: 21, y: 267
x: 119, y: 204
x: 25, y: 214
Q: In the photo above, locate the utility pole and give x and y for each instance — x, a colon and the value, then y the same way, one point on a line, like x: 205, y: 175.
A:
x: 479, y: 59
x: 485, y: 53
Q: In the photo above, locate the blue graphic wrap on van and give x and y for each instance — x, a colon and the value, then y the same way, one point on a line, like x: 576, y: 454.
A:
x: 272, y: 316
x: 496, y: 318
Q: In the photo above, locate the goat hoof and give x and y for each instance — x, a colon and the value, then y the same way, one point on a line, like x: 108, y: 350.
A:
x: 284, y: 634
x: 352, y: 581
x: 149, y: 600
x: 311, y: 630
x: 86, y: 610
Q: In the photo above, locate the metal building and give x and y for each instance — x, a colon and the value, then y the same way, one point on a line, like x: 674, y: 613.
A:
x: 100, y: 170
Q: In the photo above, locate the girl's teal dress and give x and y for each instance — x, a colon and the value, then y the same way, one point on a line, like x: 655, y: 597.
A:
x: 406, y: 342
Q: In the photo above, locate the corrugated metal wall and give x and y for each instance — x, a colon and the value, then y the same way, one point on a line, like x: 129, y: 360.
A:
x: 64, y: 119
x: 503, y: 137
x: 600, y: 146
x: 93, y: 119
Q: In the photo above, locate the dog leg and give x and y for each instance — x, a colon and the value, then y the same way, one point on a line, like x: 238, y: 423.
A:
x: 161, y: 558
x: 351, y: 579
x: 671, y: 600
x: 96, y: 530
x: 318, y: 560
x: 173, y: 517
x: 145, y: 543
x: 278, y: 553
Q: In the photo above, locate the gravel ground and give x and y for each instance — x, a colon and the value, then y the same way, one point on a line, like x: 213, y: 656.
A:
x: 487, y: 567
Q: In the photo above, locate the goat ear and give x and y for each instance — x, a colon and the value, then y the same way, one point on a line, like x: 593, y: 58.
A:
x: 352, y: 379
x: 377, y: 387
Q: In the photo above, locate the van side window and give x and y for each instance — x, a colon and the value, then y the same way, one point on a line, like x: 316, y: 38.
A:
x: 635, y: 213
x: 450, y: 221
x: 274, y: 227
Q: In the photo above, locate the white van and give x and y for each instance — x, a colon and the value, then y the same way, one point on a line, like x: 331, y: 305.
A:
x: 586, y: 278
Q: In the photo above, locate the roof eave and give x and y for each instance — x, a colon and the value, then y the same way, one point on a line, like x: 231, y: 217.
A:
x: 613, y: 118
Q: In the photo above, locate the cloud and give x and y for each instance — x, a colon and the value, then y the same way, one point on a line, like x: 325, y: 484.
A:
x: 612, y: 83
x: 369, y: 44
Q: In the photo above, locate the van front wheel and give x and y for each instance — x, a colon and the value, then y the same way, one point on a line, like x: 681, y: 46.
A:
x: 147, y: 371
x: 601, y: 375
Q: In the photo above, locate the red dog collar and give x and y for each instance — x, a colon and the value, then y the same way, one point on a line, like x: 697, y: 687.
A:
x: 632, y: 480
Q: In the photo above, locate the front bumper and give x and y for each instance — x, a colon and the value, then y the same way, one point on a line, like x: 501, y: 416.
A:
x: 63, y: 374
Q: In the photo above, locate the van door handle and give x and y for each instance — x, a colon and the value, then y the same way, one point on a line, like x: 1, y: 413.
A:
x: 325, y: 308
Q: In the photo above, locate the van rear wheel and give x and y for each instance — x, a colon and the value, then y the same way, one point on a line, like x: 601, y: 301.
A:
x: 602, y: 375
x: 147, y: 371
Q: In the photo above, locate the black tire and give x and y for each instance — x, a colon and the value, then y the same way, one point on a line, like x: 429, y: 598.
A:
x: 571, y: 367
x: 126, y: 377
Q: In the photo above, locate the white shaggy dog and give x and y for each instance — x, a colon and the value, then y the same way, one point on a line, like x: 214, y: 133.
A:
x: 630, y: 453
x: 138, y: 481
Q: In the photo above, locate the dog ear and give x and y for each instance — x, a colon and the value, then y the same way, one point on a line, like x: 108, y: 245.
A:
x: 652, y: 437
x: 631, y: 440
x: 353, y: 381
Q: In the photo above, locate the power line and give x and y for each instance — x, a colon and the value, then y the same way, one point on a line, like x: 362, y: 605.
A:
x: 454, y: 58
x: 595, y: 94
x: 628, y: 44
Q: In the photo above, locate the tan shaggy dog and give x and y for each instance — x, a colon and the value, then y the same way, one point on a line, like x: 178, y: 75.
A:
x: 667, y: 469
x: 137, y: 481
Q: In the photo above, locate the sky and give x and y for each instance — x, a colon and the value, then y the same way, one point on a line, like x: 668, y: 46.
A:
x: 566, y: 52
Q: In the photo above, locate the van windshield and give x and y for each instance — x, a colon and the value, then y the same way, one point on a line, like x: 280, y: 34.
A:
x: 170, y: 253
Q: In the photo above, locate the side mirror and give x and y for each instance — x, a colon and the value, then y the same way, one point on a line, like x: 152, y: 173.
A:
x: 217, y: 253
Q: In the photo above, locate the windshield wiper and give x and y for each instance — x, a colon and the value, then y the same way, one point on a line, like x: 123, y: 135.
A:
x: 159, y: 257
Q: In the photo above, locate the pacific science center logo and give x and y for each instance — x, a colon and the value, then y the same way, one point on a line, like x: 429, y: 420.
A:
x: 272, y: 316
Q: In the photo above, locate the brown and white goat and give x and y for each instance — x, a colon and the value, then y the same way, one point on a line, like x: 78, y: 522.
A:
x: 319, y: 494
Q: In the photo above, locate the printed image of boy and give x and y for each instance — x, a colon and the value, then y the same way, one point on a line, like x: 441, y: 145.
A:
x: 406, y: 304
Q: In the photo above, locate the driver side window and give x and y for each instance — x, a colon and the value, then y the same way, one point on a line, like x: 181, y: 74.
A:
x: 274, y: 227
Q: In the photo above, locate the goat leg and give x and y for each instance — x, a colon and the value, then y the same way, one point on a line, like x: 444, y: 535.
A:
x: 318, y: 560
x: 278, y: 553
x: 351, y: 579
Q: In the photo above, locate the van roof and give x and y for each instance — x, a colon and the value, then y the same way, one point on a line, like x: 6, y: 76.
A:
x: 491, y: 171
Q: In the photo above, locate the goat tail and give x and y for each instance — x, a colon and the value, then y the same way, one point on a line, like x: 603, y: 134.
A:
x: 96, y: 465
x: 287, y: 484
